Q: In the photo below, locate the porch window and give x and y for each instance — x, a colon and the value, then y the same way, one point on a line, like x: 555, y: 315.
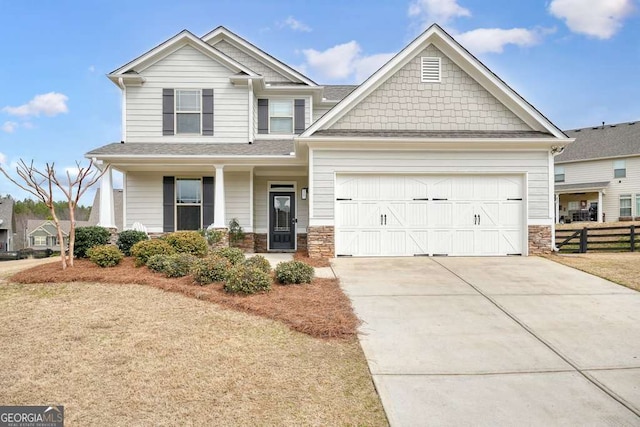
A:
x: 559, y: 174
x: 188, y: 111
x: 637, y: 204
x: 188, y: 203
x: 619, y: 169
x: 281, y: 116
x: 625, y: 205
x: 39, y: 240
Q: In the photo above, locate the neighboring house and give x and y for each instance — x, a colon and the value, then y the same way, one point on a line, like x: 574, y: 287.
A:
x: 6, y: 224
x: 598, y: 176
x: 42, y: 234
x: 432, y: 155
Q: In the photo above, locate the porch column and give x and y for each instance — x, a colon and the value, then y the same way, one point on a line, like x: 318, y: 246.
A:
x: 107, y: 214
x: 219, y: 220
x: 600, y: 206
x: 557, y: 199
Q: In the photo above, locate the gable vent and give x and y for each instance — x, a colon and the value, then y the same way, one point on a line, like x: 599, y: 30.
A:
x: 430, y: 69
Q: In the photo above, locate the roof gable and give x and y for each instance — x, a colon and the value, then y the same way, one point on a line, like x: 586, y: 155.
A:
x: 268, y: 62
x: 184, y: 38
x: 521, y: 115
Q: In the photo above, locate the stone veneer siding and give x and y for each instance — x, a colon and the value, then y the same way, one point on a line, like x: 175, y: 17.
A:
x: 247, y: 243
x: 320, y: 242
x: 301, y: 242
x: 260, y: 242
x: 404, y: 102
x: 539, y: 239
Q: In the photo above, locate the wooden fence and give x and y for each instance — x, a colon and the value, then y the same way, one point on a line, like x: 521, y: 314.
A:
x: 581, y: 240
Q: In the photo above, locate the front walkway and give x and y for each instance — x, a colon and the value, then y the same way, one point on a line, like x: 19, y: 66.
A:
x: 496, y: 341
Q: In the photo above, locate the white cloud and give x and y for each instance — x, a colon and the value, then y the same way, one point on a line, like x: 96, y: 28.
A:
x: 91, y: 68
x: 295, y: 25
x: 50, y: 104
x: 482, y: 40
x: 343, y: 62
x: 436, y: 11
x: 600, y: 19
x: 9, y: 127
x: 3, y: 159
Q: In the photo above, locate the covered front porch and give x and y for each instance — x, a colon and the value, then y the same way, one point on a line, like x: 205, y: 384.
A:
x: 580, y: 202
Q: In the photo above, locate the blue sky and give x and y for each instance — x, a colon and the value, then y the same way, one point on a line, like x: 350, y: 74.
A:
x: 577, y: 61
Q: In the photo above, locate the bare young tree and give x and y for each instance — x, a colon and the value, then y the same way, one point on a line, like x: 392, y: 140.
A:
x: 41, y: 185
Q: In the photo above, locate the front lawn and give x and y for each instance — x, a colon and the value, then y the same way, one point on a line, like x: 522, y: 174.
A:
x: 621, y: 268
x: 134, y: 355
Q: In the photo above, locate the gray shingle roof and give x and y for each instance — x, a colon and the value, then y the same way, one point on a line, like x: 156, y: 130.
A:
x: 33, y: 224
x: 258, y: 148
x: 583, y: 186
x: 622, y: 139
x: 432, y: 134
x: 337, y: 92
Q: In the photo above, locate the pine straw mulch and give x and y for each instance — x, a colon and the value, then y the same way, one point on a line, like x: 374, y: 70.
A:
x: 320, y: 309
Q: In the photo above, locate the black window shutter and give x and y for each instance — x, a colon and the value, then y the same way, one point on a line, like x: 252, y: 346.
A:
x: 167, y: 112
x: 207, y: 111
x: 168, y: 203
x: 207, y: 201
x: 298, y: 115
x: 263, y: 116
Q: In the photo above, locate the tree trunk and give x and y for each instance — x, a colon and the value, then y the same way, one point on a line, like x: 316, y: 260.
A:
x: 60, y: 237
x: 72, y: 231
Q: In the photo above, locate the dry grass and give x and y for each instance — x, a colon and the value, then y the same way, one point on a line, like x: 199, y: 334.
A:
x: 133, y: 355
x: 321, y: 309
x: 621, y: 268
x: 593, y: 224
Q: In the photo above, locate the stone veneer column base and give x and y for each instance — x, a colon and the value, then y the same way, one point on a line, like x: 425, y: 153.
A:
x: 301, y: 243
x: 247, y: 244
x: 320, y: 242
x: 539, y: 239
x: 260, y: 242
x: 223, y: 242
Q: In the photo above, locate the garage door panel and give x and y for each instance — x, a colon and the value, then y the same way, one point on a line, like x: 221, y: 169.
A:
x: 399, y: 215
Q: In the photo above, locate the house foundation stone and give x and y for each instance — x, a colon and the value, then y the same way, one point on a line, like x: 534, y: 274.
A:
x: 539, y: 239
x: 321, y: 242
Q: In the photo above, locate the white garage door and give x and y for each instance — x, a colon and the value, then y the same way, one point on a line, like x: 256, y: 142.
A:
x: 406, y: 215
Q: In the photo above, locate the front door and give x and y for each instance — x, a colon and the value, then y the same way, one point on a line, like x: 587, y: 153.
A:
x: 282, y: 221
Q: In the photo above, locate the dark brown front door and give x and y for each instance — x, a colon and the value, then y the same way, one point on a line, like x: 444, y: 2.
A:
x: 282, y: 223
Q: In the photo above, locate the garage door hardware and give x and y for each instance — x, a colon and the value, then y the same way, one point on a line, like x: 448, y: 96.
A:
x: 383, y: 219
x: 476, y: 220
x: 341, y: 200
x: 439, y: 200
x: 420, y: 254
x: 423, y: 199
x: 520, y: 199
x: 440, y: 254
x: 342, y: 255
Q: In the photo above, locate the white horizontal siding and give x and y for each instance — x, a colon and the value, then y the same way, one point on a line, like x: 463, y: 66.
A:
x: 144, y: 200
x: 326, y: 163
x: 602, y: 171
x: 260, y: 202
x: 186, y: 68
x: 237, y: 197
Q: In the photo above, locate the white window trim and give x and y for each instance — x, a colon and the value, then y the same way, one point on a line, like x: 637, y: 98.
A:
x: 423, y: 61
x: 623, y: 168
x: 637, y: 214
x: 625, y: 197
x: 559, y: 170
x: 35, y: 243
x: 176, y: 112
x: 292, y: 116
x: 176, y: 204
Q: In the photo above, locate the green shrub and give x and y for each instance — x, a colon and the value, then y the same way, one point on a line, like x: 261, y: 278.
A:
x: 105, y: 255
x: 258, y: 261
x: 234, y: 255
x: 236, y: 233
x: 157, y: 262
x: 212, y: 236
x: 179, y: 265
x: 142, y: 251
x: 128, y: 238
x: 247, y: 280
x: 294, y: 272
x: 188, y: 242
x: 88, y: 237
x: 211, y: 269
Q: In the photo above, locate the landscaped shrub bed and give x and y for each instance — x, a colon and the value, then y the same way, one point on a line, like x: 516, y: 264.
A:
x: 142, y: 251
x: 210, y: 269
x: 105, y: 255
x: 247, y: 280
x: 294, y: 272
x: 88, y: 237
x: 320, y: 309
x: 128, y: 238
x: 188, y: 242
x: 234, y: 255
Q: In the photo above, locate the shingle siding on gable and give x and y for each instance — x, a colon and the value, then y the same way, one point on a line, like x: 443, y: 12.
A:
x: 403, y: 102
x: 186, y: 68
x: 268, y: 73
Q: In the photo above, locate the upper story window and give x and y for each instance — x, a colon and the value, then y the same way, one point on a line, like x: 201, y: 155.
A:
x: 559, y: 174
x: 619, y: 169
x: 188, y: 111
x: 281, y: 116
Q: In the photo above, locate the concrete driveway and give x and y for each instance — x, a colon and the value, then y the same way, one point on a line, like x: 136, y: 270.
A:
x: 496, y: 341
